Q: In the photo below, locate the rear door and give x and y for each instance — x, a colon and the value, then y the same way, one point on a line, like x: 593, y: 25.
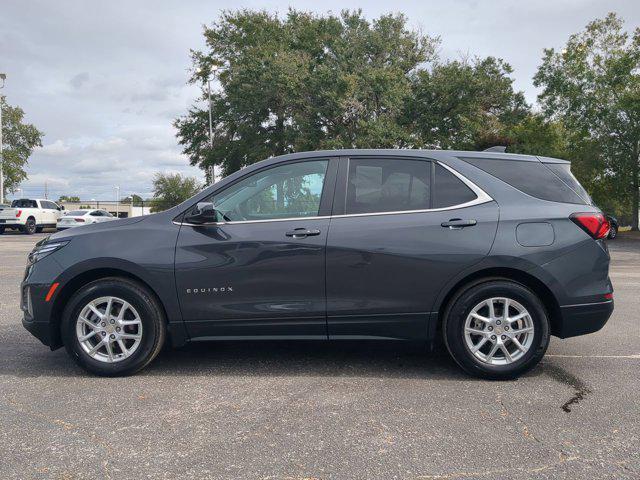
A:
x: 260, y: 270
x: 402, y: 227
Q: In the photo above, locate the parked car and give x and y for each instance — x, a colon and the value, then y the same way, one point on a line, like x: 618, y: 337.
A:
x: 83, y: 216
x: 613, y: 223
x: 30, y: 215
x: 492, y: 252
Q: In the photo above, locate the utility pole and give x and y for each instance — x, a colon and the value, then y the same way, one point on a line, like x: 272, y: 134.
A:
x: 2, y: 78
x: 46, y: 190
x: 117, y: 201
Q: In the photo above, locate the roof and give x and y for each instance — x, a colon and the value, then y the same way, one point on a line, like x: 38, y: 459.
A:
x: 416, y: 153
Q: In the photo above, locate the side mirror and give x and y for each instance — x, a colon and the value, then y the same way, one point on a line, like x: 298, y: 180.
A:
x: 203, y: 212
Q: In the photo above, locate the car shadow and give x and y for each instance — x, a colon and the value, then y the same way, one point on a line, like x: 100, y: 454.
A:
x: 256, y: 358
x: 302, y: 358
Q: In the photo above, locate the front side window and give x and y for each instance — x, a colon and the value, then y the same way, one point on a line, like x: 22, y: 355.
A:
x: 286, y: 191
x: 387, y: 185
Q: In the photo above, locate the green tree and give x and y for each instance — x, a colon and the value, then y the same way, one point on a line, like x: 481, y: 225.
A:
x: 133, y: 199
x: 302, y: 82
x: 171, y: 189
x: 465, y: 105
x: 593, y: 87
x: 69, y: 199
x: 18, y: 140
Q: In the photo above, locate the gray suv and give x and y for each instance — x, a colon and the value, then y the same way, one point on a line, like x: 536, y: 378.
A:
x: 491, y: 252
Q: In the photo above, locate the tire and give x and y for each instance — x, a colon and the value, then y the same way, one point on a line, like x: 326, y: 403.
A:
x: 30, y: 227
x: 1, y: 230
x: 141, y: 303
x: 499, y: 366
x: 613, y: 233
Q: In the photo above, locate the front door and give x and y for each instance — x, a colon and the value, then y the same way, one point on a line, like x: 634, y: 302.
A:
x: 260, y: 270
x: 400, y: 237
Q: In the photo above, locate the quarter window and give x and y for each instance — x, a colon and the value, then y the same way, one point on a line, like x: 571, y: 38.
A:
x: 387, y: 185
x: 533, y: 178
x: 286, y: 191
x: 449, y: 190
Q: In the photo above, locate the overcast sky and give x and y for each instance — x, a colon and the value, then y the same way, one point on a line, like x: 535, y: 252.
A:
x: 104, y: 79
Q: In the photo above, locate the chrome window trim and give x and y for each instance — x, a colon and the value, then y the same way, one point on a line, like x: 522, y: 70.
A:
x: 481, y: 197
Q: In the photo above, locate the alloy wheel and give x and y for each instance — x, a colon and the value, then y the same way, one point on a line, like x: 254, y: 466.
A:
x: 499, y: 331
x: 109, y: 329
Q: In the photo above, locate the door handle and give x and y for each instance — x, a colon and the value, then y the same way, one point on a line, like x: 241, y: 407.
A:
x: 302, y: 233
x: 458, y: 224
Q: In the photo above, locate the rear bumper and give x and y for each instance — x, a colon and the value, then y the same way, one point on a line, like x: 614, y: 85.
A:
x: 583, y: 319
x: 10, y: 222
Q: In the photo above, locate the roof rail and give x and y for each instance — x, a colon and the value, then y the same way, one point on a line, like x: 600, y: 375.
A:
x: 497, y: 148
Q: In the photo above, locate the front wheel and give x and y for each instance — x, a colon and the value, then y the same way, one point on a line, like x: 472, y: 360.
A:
x: 113, y: 327
x: 496, y: 329
x: 613, y: 233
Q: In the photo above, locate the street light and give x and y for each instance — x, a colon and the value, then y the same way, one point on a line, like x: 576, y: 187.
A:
x: 3, y: 77
x: 213, y: 69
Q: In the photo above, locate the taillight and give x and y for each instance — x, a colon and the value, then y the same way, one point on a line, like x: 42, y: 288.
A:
x: 595, y: 224
x: 79, y: 220
x: 18, y: 213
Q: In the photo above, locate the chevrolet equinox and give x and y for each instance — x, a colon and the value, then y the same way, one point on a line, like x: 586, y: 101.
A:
x: 492, y: 252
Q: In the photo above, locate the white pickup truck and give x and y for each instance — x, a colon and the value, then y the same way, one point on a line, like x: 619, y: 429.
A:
x: 29, y: 215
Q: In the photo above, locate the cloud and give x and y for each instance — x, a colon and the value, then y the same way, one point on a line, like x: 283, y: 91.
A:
x: 79, y: 80
x: 57, y: 148
x: 105, y: 81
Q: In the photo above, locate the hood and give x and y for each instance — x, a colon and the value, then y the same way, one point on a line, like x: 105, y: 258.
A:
x: 96, y: 227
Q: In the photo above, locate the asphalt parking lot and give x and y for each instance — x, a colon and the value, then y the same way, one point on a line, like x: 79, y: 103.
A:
x: 322, y: 411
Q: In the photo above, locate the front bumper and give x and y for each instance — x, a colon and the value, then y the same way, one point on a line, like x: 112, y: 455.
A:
x: 37, y: 314
x: 582, y: 319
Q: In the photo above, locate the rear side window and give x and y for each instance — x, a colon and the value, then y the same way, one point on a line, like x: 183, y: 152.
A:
x: 532, y: 178
x: 388, y: 185
x: 449, y: 190
x: 24, y: 203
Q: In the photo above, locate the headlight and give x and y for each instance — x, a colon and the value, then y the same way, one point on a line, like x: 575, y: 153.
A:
x: 44, y: 248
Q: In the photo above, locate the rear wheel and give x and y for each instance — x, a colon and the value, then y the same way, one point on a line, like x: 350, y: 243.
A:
x: 613, y: 233
x: 496, y: 329
x: 30, y: 226
x: 113, y: 327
